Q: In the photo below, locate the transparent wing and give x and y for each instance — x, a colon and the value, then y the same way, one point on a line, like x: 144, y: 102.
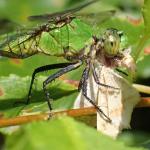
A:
x: 25, y: 43
x: 18, y: 45
x: 64, y: 16
x: 96, y: 18
x: 7, y: 25
x: 53, y: 17
x: 44, y: 38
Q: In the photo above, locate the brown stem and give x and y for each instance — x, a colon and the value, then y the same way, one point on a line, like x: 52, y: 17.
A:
x: 5, y: 122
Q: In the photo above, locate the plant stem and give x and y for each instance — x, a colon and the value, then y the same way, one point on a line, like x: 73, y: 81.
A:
x: 142, y: 88
x: 5, y: 122
x: 76, y: 113
x: 140, y: 46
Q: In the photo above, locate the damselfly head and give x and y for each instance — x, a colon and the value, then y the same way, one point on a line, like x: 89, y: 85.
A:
x: 112, y: 42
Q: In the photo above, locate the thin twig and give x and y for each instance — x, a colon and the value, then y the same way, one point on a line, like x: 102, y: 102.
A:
x: 142, y: 88
x: 5, y: 122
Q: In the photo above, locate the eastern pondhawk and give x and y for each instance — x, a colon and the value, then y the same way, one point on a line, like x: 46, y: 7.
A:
x: 106, y: 49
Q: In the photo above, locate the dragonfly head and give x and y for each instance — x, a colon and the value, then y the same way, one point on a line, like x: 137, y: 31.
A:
x: 112, y: 42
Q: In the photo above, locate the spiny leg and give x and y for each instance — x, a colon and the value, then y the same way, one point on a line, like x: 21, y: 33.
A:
x: 42, y: 69
x: 84, y: 91
x: 121, y: 71
x: 97, y: 79
x: 82, y: 80
x: 56, y: 75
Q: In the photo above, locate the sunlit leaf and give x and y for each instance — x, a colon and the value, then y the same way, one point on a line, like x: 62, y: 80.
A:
x: 62, y: 93
x: 62, y: 133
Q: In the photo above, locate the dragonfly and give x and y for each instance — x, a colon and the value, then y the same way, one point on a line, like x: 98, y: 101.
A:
x: 106, y: 49
x: 26, y: 43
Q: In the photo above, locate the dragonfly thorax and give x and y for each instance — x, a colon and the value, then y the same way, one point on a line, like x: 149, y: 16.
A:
x: 64, y: 20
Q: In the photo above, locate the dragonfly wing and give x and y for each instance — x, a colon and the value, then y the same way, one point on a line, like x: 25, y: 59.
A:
x: 96, y: 18
x: 43, y: 39
x: 18, y: 45
x: 7, y: 25
x: 52, y: 16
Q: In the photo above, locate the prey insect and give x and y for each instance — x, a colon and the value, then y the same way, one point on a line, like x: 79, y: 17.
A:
x: 106, y: 50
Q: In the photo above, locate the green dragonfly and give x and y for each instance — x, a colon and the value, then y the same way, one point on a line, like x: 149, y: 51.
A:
x: 107, y: 49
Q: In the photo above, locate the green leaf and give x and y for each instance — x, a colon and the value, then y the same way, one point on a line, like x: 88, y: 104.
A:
x: 135, y: 138
x: 14, y: 88
x: 25, y: 67
x: 146, y: 16
x: 145, y: 36
x: 63, y: 133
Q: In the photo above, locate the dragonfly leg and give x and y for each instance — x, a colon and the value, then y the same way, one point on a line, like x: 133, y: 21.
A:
x: 84, y: 91
x: 96, y: 78
x: 121, y: 71
x: 56, y: 75
x: 42, y: 69
x: 82, y: 79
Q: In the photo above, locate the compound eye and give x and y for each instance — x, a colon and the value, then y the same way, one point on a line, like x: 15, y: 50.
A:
x: 111, y: 46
